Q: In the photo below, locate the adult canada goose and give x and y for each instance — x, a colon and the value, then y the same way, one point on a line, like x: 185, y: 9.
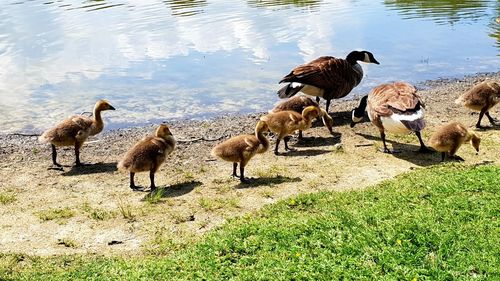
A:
x: 449, y: 138
x: 326, y: 77
x: 394, y: 107
x: 482, y: 97
x: 297, y: 104
x: 240, y: 149
x: 148, y: 154
x: 75, y: 130
x: 284, y: 123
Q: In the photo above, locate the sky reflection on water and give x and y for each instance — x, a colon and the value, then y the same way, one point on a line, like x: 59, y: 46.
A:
x: 160, y: 60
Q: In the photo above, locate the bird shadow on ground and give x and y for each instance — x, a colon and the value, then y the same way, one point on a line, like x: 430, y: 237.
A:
x: 305, y: 152
x: 91, y: 169
x: 319, y: 141
x: 408, y: 152
x: 255, y: 182
x: 341, y: 118
x: 175, y: 190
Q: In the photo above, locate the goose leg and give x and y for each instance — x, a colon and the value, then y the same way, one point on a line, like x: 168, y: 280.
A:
x: 443, y: 154
x: 423, y: 148
x: 54, y: 156
x: 301, y: 138
x: 491, y: 119
x: 386, y: 150
x: 327, y: 105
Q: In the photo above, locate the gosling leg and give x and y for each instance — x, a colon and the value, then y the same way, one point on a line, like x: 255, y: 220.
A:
x: 152, y: 179
x: 491, y: 119
x: 132, y: 183
x: 54, y: 156
x: 242, y: 175
x: 443, y: 154
x: 235, y: 165
x: 276, y: 147
x: 77, y: 154
x: 483, y: 111
x: 287, y: 138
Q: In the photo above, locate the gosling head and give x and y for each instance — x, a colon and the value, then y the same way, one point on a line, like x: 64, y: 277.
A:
x: 261, y: 127
x: 163, y: 131
x: 103, y: 105
x: 358, y: 112
x: 363, y: 56
x: 311, y: 112
x: 475, y: 141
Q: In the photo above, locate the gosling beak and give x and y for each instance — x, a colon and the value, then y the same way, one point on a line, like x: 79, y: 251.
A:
x: 111, y: 107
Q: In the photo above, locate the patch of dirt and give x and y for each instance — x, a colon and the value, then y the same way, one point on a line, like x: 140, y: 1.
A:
x: 197, y: 192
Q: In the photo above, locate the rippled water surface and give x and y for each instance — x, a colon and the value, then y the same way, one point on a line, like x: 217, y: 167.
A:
x: 161, y: 60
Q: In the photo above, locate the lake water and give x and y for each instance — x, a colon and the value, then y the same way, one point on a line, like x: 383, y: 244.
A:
x: 162, y: 60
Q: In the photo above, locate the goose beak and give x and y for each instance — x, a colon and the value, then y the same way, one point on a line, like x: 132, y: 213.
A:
x: 111, y: 107
x: 375, y: 61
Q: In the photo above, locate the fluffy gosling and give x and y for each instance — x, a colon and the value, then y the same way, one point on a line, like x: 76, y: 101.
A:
x: 482, y: 97
x: 286, y: 122
x: 448, y: 139
x: 75, y: 130
x: 148, y: 154
x: 240, y: 149
x: 297, y: 104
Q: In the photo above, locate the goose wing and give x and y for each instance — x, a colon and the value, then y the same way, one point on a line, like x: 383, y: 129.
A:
x: 398, y: 97
x: 329, y: 73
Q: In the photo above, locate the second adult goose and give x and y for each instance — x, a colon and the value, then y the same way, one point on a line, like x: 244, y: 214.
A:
x: 394, y: 107
x: 326, y: 77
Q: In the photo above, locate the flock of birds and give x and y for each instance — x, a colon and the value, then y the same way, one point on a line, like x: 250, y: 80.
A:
x: 393, y: 107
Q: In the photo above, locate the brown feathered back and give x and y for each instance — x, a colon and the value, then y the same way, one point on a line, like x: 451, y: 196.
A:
x: 149, y: 153
x: 485, y: 94
x: 399, y: 96
x: 296, y: 103
x: 336, y: 76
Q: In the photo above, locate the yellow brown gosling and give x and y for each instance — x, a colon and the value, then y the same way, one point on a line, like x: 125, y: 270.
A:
x: 394, y: 107
x: 240, y: 149
x: 298, y: 103
x: 482, y: 97
x: 75, y: 130
x: 148, y: 154
x: 448, y: 139
x: 284, y: 123
x: 326, y: 77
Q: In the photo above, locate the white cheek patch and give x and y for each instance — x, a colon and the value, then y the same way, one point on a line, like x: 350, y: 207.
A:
x: 356, y: 119
x: 367, y: 58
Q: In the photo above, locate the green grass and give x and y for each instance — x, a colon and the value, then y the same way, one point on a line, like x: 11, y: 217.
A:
x: 438, y: 223
x: 7, y: 198
x: 55, y: 214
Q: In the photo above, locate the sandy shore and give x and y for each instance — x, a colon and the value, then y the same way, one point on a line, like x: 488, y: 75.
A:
x: 104, y: 216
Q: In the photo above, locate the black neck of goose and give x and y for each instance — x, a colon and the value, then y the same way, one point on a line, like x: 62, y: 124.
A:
x: 354, y: 56
x: 360, y: 110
